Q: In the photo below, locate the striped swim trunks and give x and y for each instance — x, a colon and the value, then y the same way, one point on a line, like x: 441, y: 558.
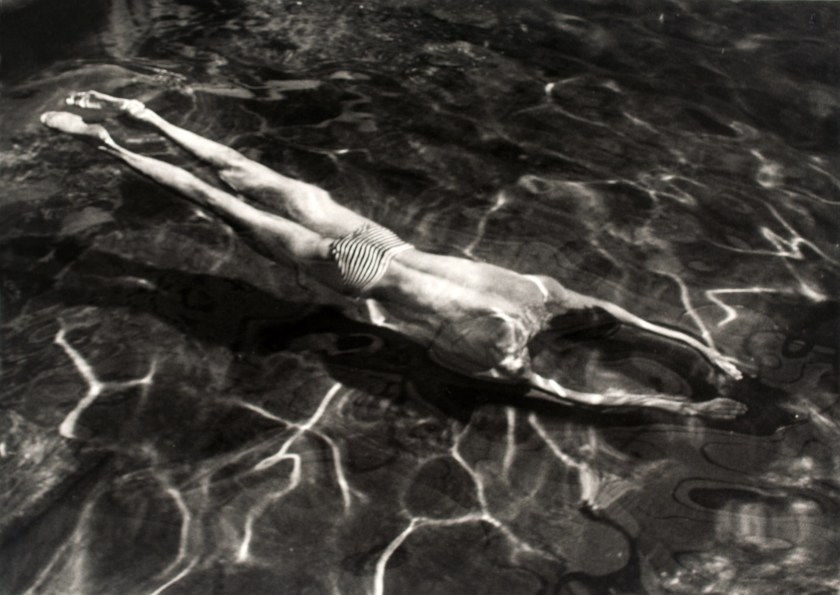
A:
x: 363, y: 256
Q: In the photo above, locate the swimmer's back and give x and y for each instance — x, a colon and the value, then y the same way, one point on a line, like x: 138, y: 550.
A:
x: 480, y: 281
x: 477, y: 318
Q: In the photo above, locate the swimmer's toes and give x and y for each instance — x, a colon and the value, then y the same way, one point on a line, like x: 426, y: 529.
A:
x: 95, y: 100
x: 73, y: 124
x: 91, y: 100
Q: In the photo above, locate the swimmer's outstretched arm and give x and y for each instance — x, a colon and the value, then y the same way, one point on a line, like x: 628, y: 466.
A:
x: 574, y: 300
x: 550, y: 390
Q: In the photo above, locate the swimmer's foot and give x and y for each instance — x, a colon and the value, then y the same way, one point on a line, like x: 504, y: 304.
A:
x: 99, y: 101
x: 75, y: 125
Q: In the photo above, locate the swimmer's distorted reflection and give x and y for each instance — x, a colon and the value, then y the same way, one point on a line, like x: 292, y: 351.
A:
x: 474, y: 318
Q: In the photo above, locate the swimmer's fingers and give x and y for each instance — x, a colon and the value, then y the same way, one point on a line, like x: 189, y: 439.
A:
x: 719, y: 408
x: 728, y: 365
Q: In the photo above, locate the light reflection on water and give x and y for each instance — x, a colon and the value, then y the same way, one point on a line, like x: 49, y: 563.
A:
x: 179, y: 416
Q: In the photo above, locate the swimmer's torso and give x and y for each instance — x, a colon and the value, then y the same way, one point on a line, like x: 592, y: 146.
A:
x: 475, y: 318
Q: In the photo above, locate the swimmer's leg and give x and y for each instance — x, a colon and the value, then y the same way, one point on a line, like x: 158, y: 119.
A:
x: 550, y: 390
x: 305, y: 203
x: 579, y: 301
x: 270, y: 235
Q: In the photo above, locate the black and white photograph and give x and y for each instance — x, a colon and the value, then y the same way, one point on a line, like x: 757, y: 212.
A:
x: 419, y: 297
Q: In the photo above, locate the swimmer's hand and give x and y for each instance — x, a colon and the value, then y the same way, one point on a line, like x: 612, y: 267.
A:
x: 719, y: 408
x: 726, y: 364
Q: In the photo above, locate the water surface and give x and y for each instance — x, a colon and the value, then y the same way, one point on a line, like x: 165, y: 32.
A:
x: 179, y: 415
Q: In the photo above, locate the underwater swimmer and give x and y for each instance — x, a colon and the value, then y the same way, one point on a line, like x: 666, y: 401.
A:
x: 475, y: 318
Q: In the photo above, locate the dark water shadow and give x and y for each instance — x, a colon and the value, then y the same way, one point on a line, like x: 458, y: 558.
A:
x: 253, y: 323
